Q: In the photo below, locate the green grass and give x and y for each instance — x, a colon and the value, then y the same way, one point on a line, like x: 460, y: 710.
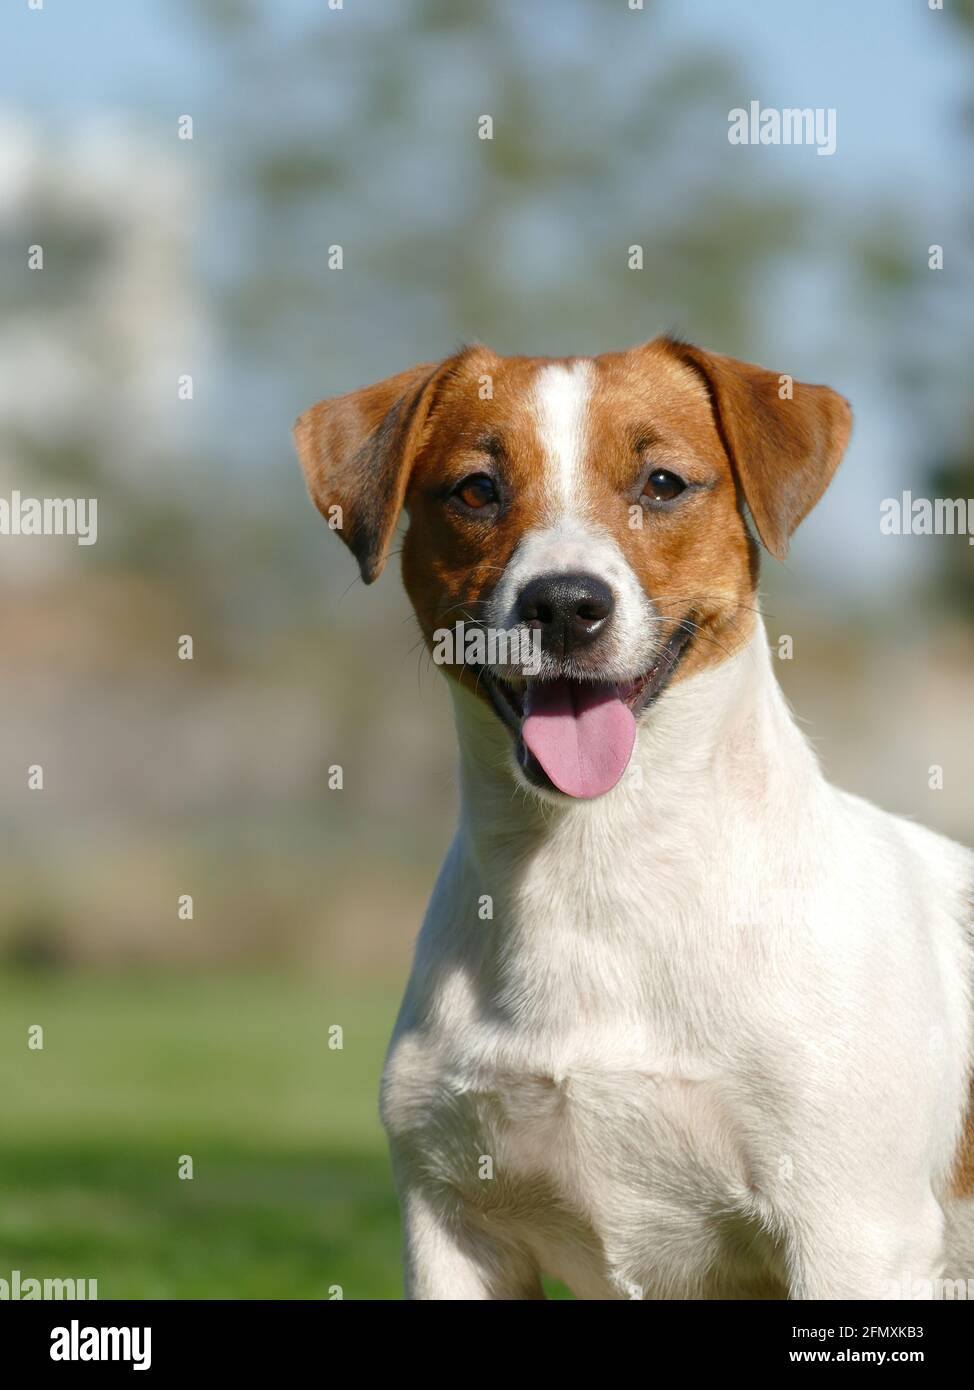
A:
x: 291, y: 1192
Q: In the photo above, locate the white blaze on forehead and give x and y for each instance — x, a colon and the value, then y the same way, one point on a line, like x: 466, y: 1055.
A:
x: 567, y: 536
x: 560, y: 400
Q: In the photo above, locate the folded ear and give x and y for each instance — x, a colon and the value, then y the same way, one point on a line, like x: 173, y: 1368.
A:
x: 357, y: 452
x: 784, y: 439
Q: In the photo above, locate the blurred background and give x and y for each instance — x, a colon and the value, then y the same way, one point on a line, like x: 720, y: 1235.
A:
x: 316, y: 127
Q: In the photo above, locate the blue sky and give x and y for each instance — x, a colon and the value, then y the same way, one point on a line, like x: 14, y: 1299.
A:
x: 893, y: 68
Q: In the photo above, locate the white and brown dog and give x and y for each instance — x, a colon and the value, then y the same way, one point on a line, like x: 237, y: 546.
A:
x: 714, y: 1037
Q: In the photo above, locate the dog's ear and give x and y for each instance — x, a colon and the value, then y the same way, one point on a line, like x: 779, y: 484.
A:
x: 784, y: 439
x: 357, y: 452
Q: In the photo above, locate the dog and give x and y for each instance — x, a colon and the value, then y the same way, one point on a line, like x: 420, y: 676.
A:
x: 684, y: 1021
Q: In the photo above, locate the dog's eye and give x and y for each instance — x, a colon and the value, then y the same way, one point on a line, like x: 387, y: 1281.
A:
x: 663, y: 486
x: 476, y: 492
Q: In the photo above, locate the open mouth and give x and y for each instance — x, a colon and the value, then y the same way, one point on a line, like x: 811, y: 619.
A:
x: 577, y: 736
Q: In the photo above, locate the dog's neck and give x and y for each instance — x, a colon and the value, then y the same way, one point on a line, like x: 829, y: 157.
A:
x: 722, y: 738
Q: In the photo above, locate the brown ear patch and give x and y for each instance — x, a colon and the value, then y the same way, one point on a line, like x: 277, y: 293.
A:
x: 784, y: 439
x: 357, y: 452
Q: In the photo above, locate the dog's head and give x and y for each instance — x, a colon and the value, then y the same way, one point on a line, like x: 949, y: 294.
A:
x: 595, y: 505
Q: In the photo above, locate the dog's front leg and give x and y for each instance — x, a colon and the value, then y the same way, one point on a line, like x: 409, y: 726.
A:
x: 445, y: 1259
x: 855, y: 1254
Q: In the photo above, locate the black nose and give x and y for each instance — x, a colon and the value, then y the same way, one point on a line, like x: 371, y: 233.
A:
x: 570, y: 609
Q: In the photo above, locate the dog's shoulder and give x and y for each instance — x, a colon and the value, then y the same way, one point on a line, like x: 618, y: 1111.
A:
x: 938, y: 871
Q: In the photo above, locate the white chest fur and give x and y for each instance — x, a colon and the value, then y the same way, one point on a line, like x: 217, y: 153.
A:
x: 642, y: 1035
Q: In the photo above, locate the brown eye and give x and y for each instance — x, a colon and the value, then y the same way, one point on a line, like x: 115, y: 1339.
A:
x: 663, y: 486
x: 476, y: 492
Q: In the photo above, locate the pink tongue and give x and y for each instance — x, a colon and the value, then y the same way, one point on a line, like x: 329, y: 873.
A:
x: 581, y: 734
